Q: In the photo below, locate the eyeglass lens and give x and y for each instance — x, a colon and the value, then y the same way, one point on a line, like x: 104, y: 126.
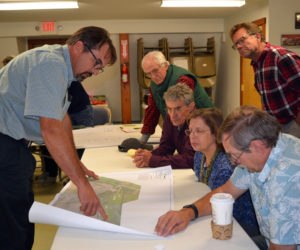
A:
x: 97, y: 60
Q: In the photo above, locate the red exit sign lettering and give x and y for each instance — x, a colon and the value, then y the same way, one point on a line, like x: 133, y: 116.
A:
x: 48, y: 26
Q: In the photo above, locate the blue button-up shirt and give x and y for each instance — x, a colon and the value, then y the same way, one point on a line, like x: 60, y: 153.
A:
x: 275, y: 192
x: 34, y: 85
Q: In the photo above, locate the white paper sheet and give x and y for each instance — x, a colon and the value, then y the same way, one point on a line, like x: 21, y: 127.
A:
x: 110, y: 135
x: 138, y: 217
x: 60, y: 217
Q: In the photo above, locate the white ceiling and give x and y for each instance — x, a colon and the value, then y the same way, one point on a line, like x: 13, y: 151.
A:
x: 117, y: 9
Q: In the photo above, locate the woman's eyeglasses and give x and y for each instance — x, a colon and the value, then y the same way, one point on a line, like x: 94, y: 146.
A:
x: 195, y: 132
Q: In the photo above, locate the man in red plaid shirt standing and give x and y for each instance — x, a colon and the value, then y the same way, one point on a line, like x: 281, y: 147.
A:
x: 277, y: 75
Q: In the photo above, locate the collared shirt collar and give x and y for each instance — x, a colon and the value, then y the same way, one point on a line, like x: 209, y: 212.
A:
x: 184, y: 126
x: 68, y: 63
x: 263, y: 54
x: 273, y: 158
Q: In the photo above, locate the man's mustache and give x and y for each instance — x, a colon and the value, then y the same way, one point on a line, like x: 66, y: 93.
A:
x: 87, y: 73
x: 82, y: 76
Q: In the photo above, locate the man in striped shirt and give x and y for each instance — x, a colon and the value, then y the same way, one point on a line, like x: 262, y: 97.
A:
x: 277, y: 75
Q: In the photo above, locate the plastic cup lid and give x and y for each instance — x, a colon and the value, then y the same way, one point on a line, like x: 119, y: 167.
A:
x: 221, y: 198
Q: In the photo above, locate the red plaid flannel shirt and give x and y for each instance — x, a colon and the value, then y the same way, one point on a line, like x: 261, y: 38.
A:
x: 277, y: 79
x: 152, y: 113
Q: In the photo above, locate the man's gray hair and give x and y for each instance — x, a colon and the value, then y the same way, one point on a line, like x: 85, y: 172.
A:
x: 248, y: 123
x: 180, y: 91
x: 158, y: 57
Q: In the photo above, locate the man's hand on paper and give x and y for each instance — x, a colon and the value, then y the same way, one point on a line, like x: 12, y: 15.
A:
x: 142, y: 158
x: 88, y: 172
x: 173, y: 222
x: 88, y: 207
x: 90, y: 204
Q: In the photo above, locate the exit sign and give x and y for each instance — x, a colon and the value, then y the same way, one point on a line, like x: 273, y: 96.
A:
x: 48, y: 26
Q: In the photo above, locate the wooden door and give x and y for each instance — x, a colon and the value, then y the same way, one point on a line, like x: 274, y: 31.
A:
x: 249, y: 94
x: 33, y: 43
x: 125, y: 86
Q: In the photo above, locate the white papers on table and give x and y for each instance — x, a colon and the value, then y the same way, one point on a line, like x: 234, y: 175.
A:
x: 131, y: 128
x: 138, y: 217
x: 110, y: 135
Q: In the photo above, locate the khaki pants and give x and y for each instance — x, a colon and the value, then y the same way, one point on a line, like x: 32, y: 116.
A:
x: 291, y: 128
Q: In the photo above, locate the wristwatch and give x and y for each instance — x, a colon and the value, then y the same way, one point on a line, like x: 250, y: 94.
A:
x: 192, y: 206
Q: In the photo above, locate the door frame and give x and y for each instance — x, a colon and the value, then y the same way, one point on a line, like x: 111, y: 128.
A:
x: 261, y: 23
x: 37, y: 42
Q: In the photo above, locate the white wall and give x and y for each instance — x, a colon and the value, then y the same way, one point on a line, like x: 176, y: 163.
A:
x: 25, y: 29
x: 282, y: 21
x: 228, y: 91
x: 9, y: 46
x: 108, y: 83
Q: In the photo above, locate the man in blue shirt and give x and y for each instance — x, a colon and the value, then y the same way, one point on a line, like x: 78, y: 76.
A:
x: 269, y: 168
x: 33, y: 107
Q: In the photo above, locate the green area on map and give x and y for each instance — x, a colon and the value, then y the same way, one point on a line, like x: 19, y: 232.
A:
x: 112, y: 194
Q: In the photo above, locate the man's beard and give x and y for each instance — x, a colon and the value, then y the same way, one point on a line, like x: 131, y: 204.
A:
x: 251, y: 54
x: 82, y: 76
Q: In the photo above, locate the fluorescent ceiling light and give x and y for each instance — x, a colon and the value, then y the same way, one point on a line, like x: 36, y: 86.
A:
x: 202, y: 3
x: 39, y: 5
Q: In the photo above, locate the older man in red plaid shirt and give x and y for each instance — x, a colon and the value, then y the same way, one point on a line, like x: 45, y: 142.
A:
x: 277, y: 75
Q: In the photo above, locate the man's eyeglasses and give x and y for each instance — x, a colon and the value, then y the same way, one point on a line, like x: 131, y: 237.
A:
x: 234, y: 159
x: 97, y: 60
x: 153, y: 72
x: 196, y: 132
x: 241, y: 40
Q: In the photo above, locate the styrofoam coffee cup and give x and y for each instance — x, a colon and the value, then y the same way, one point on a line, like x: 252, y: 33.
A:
x: 222, y: 206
